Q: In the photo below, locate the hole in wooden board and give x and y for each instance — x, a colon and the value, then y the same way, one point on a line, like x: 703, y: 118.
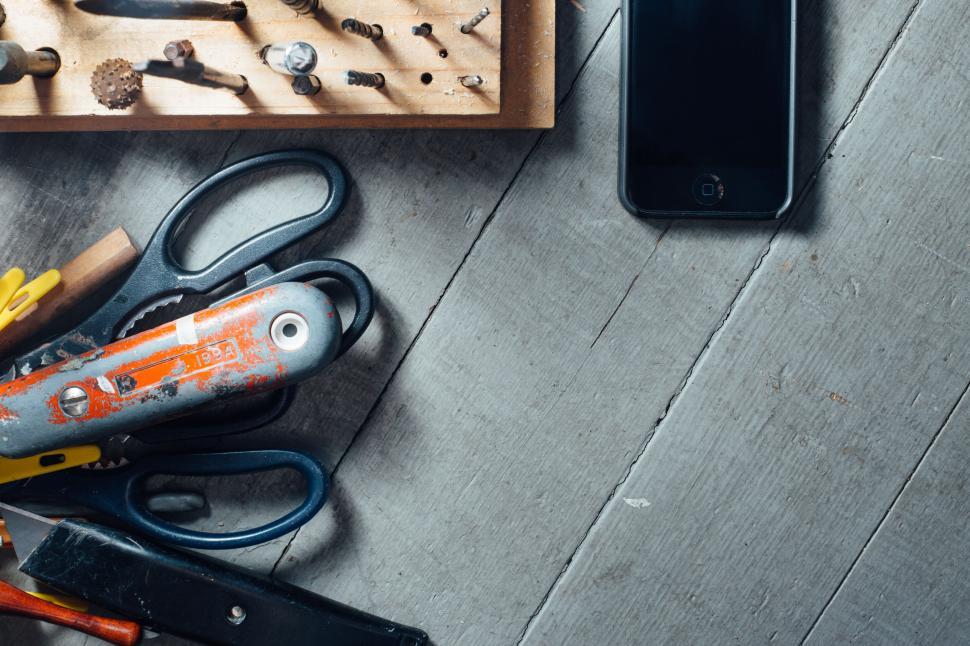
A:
x: 426, y: 78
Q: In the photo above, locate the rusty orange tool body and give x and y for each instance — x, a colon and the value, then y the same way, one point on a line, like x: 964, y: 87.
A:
x: 257, y: 342
x: 116, y: 631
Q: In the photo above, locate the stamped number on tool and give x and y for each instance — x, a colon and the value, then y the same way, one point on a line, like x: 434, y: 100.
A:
x: 180, y: 366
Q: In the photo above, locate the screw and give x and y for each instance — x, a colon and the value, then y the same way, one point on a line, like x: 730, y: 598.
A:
x: 471, y: 81
x: 294, y: 58
x: 306, y: 85
x: 364, y: 79
x: 477, y: 18
x: 424, y: 29
x: 73, y: 401
x: 236, y: 615
x: 362, y: 29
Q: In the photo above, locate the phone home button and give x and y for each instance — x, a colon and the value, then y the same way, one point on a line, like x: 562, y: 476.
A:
x: 708, y: 189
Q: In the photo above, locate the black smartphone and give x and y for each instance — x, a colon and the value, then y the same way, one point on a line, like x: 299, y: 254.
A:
x: 707, y: 112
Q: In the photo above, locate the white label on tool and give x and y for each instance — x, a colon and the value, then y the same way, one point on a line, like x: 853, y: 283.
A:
x: 105, y: 384
x: 185, y: 330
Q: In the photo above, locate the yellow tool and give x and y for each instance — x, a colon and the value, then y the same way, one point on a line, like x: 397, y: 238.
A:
x: 37, y: 465
x: 15, y: 300
x: 59, y: 599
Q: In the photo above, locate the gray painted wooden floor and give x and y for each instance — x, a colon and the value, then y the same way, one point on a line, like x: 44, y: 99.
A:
x: 568, y: 426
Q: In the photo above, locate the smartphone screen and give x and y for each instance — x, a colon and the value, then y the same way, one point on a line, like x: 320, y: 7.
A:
x: 709, y: 106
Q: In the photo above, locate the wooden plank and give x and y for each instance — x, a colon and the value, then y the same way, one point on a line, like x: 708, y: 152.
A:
x: 912, y: 582
x: 816, y: 400
x: 513, y: 416
x: 232, y: 47
x: 527, y: 84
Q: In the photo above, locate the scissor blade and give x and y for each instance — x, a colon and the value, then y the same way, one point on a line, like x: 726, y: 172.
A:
x: 27, y: 530
x: 145, y: 311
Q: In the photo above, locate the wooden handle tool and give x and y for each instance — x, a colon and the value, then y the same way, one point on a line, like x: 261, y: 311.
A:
x: 115, y: 631
x: 80, y: 278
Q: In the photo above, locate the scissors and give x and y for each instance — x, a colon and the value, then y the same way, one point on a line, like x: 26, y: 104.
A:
x: 159, y: 279
x: 120, y: 492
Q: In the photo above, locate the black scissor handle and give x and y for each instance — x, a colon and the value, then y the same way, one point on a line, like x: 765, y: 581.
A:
x: 131, y: 504
x: 158, y: 253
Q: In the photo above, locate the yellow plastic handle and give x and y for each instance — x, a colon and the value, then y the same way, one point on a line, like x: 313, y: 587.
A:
x: 10, y: 282
x: 28, y: 295
x: 59, y: 599
x: 38, y: 465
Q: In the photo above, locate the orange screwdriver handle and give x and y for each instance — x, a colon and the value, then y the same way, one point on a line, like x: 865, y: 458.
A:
x: 115, y: 631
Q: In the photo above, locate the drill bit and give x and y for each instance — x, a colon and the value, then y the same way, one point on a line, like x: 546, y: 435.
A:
x: 364, y: 79
x: 194, y: 72
x: 16, y: 63
x: 166, y: 9
x: 467, y: 27
x: 362, y: 29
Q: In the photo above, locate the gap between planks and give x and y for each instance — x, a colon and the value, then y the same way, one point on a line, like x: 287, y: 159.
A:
x: 885, y: 517
x: 784, y: 225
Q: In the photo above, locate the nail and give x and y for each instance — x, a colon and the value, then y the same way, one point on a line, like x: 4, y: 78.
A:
x: 364, y: 79
x: 477, y: 18
x: 362, y: 29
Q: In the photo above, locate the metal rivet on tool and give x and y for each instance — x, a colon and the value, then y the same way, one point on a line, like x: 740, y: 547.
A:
x: 471, y: 81
x: 364, y: 79
x: 289, y: 331
x: 178, y: 49
x: 467, y: 27
x: 424, y: 29
x: 294, y: 58
x: 354, y: 26
x: 236, y: 615
x: 73, y: 401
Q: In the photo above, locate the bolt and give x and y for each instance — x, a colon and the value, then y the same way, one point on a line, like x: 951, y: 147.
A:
x: 362, y: 29
x: 477, y: 18
x: 73, y: 401
x: 178, y: 49
x: 302, y: 7
x: 424, y: 29
x: 471, y: 81
x: 294, y: 58
x: 364, y: 79
x: 236, y: 615
x: 306, y: 85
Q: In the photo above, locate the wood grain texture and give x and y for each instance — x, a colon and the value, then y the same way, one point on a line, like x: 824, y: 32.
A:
x: 518, y: 92
x: 911, y: 584
x: 519, y: 407
x: 816, y: 400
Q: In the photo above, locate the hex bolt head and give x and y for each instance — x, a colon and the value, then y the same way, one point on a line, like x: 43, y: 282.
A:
x: 73, y: 401
x: 177, y: 49
x: 306, y: 85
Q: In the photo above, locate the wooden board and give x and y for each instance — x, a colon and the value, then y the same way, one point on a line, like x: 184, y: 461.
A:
x: 911, y: 584
x: 66, y: 103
